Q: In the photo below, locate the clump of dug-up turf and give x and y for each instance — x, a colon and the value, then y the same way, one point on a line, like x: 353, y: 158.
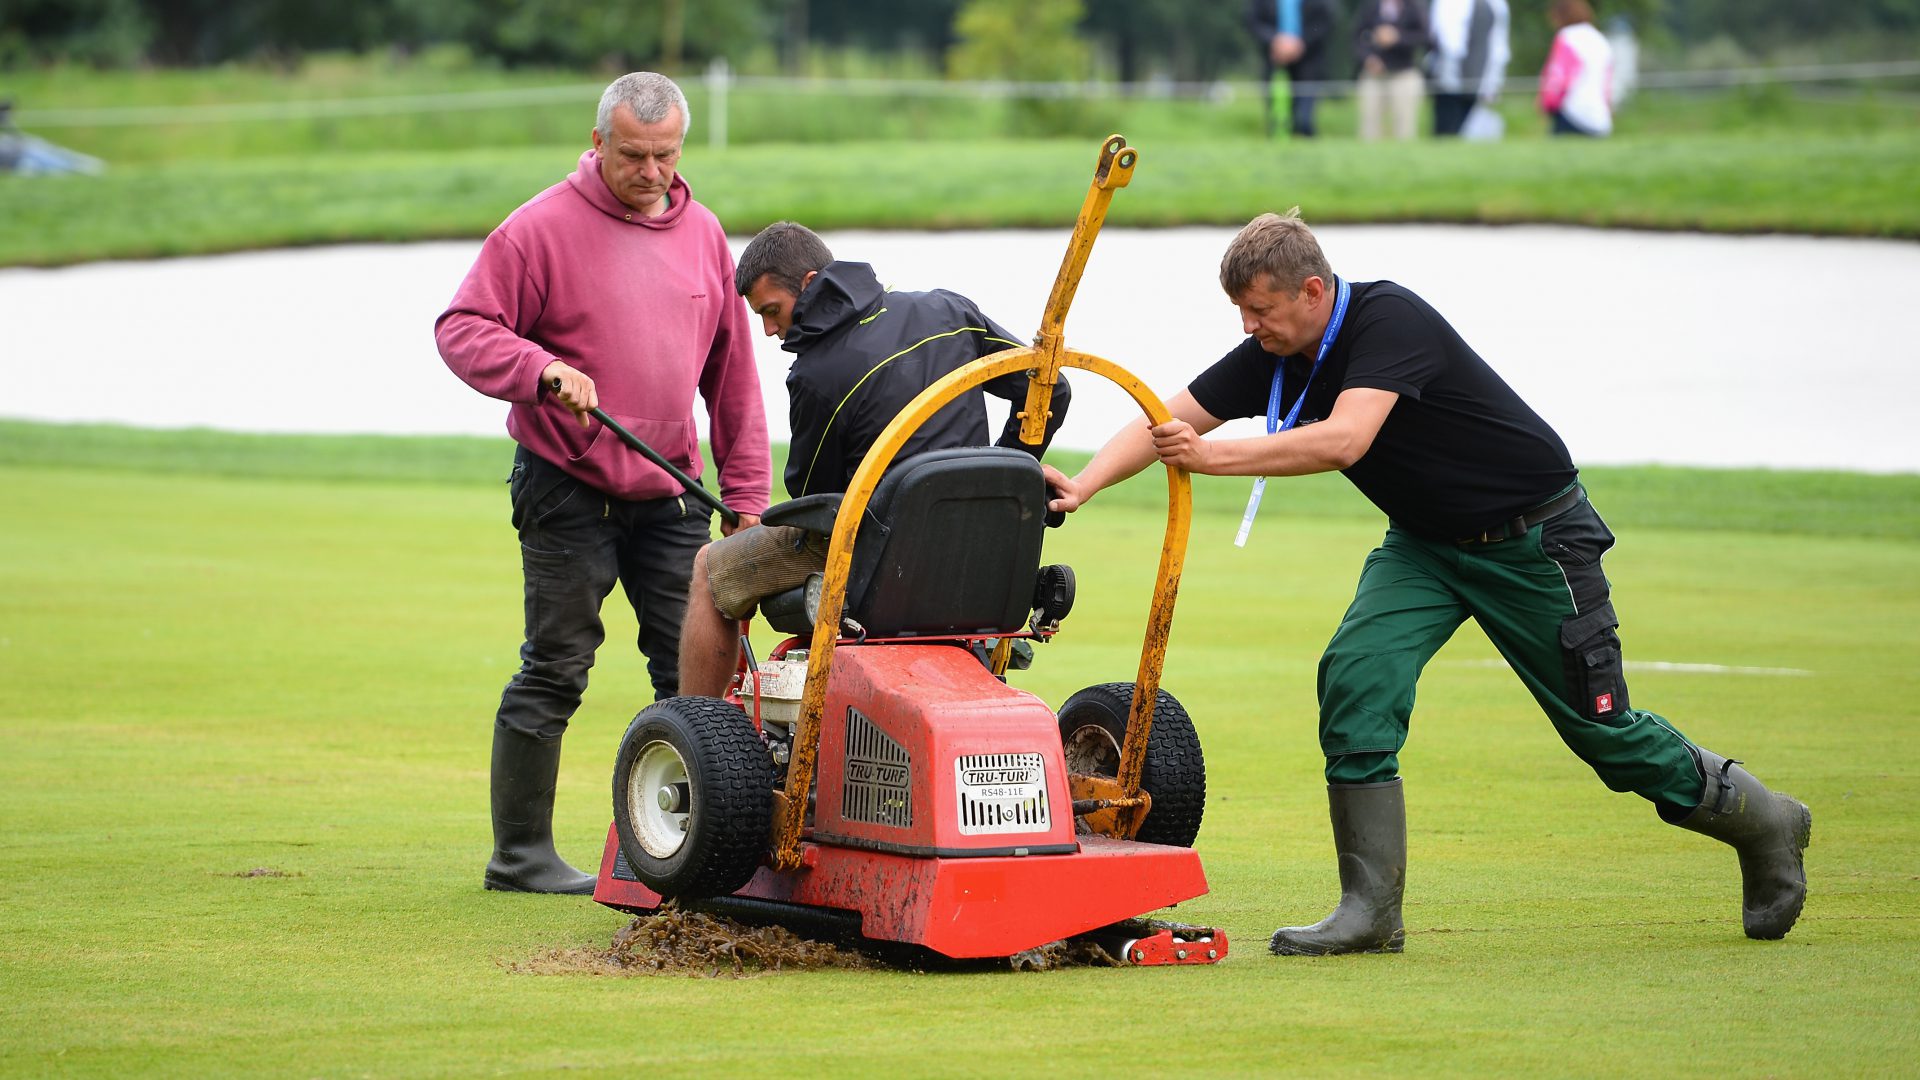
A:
x: 1063, y: 954
x: 678, y: 941
x: 675, y: 941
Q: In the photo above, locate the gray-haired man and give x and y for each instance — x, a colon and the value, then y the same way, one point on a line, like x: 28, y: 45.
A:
x: 611, y: 289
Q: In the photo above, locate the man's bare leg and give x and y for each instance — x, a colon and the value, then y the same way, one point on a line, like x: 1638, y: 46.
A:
x: 709, y: 641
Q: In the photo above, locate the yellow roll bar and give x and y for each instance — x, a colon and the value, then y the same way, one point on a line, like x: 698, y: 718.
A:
x: 1042, y: 363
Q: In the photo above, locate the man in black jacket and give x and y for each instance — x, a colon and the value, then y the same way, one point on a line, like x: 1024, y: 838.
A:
x: 861, y: 354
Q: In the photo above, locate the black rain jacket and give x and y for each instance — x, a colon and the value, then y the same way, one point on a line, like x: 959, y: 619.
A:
x: 862, y: 353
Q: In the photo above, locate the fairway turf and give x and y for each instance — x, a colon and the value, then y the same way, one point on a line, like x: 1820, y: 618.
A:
x: 1845, y: 183
x: 294, y: 670
x: 416, y: 166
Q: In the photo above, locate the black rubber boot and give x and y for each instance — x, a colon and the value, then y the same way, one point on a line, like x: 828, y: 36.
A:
x: 1768, y: 829
x: 524, y: 772
x: 1370, y: 838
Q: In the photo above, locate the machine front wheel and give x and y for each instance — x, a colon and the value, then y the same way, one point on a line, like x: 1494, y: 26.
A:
x: 693, y: 797
x: 1093, y: 725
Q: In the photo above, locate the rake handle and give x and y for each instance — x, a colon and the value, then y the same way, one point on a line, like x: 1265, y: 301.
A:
x: 693, y: 487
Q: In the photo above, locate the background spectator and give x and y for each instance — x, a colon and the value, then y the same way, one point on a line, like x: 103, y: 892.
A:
x: 1576, y: 86
x: 1626, y: 58
x: 1468, y: 57
x: 1387, y: 39
x: 1292, y: 34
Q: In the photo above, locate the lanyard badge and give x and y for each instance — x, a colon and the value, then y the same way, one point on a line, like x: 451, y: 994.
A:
x: 1274, y: 423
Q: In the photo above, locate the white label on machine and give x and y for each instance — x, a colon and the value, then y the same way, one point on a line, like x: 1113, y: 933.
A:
x: 1001, y: 793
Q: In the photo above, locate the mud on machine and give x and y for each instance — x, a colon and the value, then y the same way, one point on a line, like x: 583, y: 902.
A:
x: 877, y: 767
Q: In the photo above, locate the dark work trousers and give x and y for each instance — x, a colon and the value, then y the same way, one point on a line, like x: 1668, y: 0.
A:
x: 575, y: 542
x: 1544, y: 603
x: 1300, y: 115
x: 1300, y: 102
x: 1450, y: 112
x: 1564, y: 126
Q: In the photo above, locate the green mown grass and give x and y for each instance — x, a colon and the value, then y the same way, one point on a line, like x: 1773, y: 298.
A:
x: 1838, y: 183
x: 1744, y: 500
x: 365, y: 104
x: 1762, y: 158
x: 379, y: 105
x: 293, y: 666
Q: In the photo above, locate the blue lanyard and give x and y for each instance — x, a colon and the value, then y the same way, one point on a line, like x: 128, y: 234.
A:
x: 1274, y: 423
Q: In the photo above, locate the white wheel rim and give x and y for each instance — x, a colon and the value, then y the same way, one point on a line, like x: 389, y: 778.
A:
x: 1091, y: 751
x: 657, y: 769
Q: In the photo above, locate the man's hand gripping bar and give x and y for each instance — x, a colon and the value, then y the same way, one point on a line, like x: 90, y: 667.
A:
x: 693, y: 486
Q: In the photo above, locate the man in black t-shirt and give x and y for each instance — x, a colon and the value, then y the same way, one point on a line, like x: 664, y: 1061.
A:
x: 1487, y: 520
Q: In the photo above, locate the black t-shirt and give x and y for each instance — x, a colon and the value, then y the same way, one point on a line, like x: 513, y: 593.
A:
x: 1459, y: 453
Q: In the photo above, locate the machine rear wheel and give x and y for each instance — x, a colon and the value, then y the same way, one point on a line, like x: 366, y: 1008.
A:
x: 1093, y: 724
x: 693, y: 797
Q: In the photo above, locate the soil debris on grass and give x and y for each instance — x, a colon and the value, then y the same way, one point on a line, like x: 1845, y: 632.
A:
x: 681, y: 941
x: 676, y: 941
x: 266, y: 871
x: 1064, y: 954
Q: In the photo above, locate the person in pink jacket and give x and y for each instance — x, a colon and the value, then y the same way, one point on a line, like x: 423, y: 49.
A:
x: 1576, y: 86
x: 612, y: 289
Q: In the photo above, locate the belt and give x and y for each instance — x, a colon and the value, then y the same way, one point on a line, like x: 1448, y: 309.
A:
x: 1514, y: 528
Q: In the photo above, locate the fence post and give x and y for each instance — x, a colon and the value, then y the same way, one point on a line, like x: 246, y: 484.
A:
x: 717, y: 80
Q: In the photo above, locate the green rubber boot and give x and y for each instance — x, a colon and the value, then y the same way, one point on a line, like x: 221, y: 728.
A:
x: 1768, y: 829
x: 1370, y: 838
x: 525, y: 771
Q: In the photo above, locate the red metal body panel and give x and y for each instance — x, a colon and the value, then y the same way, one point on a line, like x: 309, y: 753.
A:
x: 906, y: 730
x: 966, y: 907
x: 937, y: 703
x: 621, y: 893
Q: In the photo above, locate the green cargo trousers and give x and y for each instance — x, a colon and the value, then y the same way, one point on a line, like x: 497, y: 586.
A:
x: 1545, y: 604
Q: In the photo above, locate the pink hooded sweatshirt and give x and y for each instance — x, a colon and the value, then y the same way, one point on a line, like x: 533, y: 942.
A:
x: 645, y: 307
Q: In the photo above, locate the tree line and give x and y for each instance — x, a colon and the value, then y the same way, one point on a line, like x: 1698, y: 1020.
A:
x: 1186, y: 40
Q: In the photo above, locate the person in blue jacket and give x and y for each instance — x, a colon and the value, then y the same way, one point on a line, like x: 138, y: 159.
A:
x: 1292, y: 35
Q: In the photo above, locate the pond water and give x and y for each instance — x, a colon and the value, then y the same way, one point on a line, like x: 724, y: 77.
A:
x: 1683, y: 349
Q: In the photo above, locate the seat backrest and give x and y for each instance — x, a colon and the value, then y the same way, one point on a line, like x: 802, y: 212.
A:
x: 950, y: 544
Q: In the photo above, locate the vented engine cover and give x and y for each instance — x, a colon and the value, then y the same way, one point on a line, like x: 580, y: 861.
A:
x: 924, y: 752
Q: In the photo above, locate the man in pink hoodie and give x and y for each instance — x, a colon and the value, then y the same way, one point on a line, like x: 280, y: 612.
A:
x: 612, y: 289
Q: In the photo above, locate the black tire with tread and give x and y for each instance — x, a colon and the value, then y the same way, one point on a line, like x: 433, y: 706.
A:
x: 1175, y: 773
x: 730, y: 778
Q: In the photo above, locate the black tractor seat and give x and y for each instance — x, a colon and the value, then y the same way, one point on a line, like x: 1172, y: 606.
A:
x: 949, y: 546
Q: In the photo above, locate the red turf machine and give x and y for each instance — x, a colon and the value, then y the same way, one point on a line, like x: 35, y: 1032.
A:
x: 878, y: 767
